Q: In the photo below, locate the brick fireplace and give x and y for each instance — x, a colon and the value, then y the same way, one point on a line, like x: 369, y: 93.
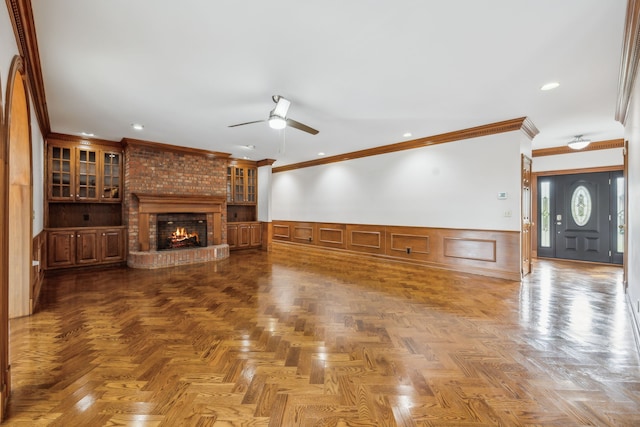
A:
x: 163, y: 180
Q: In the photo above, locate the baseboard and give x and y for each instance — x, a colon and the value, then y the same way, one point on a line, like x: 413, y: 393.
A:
x: 635, y: 322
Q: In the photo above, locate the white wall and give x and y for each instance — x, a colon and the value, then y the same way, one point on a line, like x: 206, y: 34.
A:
x: 632, y: 134
x: 452, y: 185
x: 578, y: 160
x: 37, y: 173
x: 8, y: 49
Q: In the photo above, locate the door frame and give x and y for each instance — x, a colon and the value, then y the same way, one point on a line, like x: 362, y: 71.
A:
x: 534, y: 196
x: 526, y: 210
x: 625, y: 255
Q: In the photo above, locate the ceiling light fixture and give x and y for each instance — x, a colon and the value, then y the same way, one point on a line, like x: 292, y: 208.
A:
x: 87, y: 134
x: 550, y: 86
x: 578, y: 143
x: 406, y: 134
x: 321, y: 154
x: 137, y: 126
x: 277, y: 122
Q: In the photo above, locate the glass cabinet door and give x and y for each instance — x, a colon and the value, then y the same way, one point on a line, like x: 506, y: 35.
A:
x: 87, y: 174
x: 111, y: 164
x: 60, y: 174
x: 229, y: 185
x: 252, y: 184
x: 239, y: 182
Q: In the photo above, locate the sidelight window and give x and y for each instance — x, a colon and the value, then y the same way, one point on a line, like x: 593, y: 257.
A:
x: 545, y: 214
x: 620, y: 214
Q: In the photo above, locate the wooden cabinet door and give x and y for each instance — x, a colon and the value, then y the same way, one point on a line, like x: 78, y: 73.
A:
x: 112, y: 245
x: 61, y: 173
x: 256, y: 235
x: 87, y: 174
x: 242, y: 185
x: 244, y: 235
x: 232, y: 236
x: 87, y: 247
x: 251, y: 188
x: 239, y: 185
x: 61, y: 248
x: 111, y: 179
x: 229, y: 184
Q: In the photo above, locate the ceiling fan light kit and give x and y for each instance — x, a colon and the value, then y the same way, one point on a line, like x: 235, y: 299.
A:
x: 277, y: 122
x: 578, y: 143
x: 278, y: 117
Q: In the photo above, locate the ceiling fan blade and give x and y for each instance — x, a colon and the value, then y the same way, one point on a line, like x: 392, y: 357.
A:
x: 247, y: 123
x: 300, y: 126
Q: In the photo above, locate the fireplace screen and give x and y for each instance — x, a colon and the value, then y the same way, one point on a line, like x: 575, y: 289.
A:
x: 180, y: 230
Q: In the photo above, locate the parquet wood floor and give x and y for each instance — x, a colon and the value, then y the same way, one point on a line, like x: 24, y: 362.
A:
x: 302, y: 338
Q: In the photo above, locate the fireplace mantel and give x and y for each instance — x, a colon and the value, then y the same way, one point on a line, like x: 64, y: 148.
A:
x: 149, y: 204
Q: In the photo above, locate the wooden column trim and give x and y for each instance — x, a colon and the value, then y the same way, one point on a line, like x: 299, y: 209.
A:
x: 21, y: 16
x: 629, y: 62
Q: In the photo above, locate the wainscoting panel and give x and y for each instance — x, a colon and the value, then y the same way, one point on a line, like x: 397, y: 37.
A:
x: 332, y: 235
x: 486, y: 252
x: 37, y: 268
x: 281, y: 231
x: 473, y: 249
x: 303, y: 233
x: 366, y: 238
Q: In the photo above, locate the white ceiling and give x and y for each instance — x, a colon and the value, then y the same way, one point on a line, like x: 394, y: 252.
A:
x: 362, y: 72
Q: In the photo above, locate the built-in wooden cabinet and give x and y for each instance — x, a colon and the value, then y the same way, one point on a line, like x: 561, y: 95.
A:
x: 71, y: 247
x: 244, y: 235
x: 242, y: 184
x: 76, y: 172
x: 243, y: 231
x: 83, y: 216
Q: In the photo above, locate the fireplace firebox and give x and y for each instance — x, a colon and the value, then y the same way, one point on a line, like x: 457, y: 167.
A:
x: 181, y: 230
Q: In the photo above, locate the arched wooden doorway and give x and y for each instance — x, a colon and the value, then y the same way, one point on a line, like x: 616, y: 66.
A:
x: 4, y: 277
x: 16, y: 216
x: 20, y: 204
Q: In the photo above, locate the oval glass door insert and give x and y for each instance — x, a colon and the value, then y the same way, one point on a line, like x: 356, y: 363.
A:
x: 581, y: 205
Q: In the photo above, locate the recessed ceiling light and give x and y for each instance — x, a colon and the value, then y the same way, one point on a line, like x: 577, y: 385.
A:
x: 87, y: 134
x: 321, y: 154
x: 407, y: 134
x: 550, y: 86
x: 137, y: 126
x: 249, y: 147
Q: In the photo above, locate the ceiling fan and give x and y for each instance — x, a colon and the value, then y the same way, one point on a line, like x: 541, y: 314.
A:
x: 278, y: 117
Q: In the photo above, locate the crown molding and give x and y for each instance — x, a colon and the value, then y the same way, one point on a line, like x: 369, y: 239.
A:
x: 522, y: 123
x: 158, y: 146
x: 600, y: 145
x: 84, y: 140
x: 265, y: 162
x: 629, y: 60
x: 21, y: 16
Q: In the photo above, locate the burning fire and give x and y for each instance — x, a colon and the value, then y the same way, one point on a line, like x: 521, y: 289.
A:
x: 181, y: 234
